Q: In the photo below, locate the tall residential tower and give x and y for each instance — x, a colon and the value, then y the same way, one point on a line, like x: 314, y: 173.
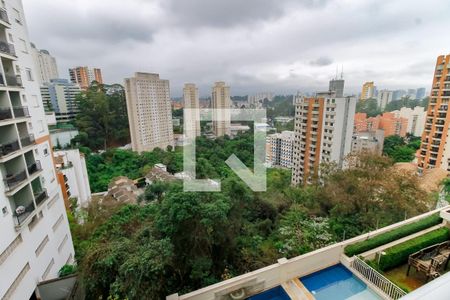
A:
x: 221, y: 104
x: 46, y: 67
x: 84, y: 76
x: 35, y: 237
x: 323, y: 133
x: 192, y: 112
x: 149, y: 112
x: 434, y: 151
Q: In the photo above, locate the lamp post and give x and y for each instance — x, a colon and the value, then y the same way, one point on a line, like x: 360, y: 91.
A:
x: 379, y: 257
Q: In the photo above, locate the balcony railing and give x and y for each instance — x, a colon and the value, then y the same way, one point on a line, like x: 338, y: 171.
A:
x: 7, y: 48
x: 21, y: 111
x: 14, y: 180
x: 9, y: 147
x: 27, y: 140
x: 34, y: 167
x: 5, y: 114
x: 14, y: 80
x: 41, y: 197
x: 4, y: 16
x: 22, y: 213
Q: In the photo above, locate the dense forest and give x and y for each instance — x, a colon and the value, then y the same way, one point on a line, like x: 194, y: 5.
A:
x: 177, y: 241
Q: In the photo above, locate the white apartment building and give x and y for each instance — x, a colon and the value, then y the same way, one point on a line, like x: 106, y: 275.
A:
x: 416, y: 119
x: 257, y: 100
x: 323, y: 133
x: 221, y: 104
x: 149, y: 112
x: 60, y: 96
x: 72, y: 165
x: 35, y: 237
x: 368, y: 142
x: 279, y: 149
x: 46, y: 66
x: 191, y: 112
x: 384, y: 97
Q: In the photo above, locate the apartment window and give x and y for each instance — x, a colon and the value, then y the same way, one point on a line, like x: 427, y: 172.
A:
x: 17, y: 16
x: 5, y: 211
x: 24, y: 46
x: 29, y: 74
x: 10, y: 36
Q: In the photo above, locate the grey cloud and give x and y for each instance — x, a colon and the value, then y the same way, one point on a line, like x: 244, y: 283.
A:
x: 321, y: 61
x: 230, y: 13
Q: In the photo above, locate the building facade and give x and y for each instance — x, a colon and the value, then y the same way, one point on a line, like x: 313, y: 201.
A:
x: 35, y: 237
x: 191, y: 102
x: 368, y: 90
x: 337, y: 85
x: 416, y: 119
x: 46, y: 66
x: 389, y: 122
x: 84, y: 76
x: 279, y: 149
x: 323, y: 133
x: 221, y: 104
x: 72, y: 175
x: 434, y: 150
x: 384, y: 97
x: 149, y: 112
x: 60, y: 96
x: 368, y: 142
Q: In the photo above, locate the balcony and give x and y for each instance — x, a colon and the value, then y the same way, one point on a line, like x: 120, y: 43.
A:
x: 21, y: 111
x: 34, y: 167
x: 14, y: 81
x: 4, y: 16
x: 5, y: 114
x: 22, y: 212
x: 13, y: 180
x: 27, y: 140
x: 7, y: 48
x: 9, y: 148
x: 41, y: 197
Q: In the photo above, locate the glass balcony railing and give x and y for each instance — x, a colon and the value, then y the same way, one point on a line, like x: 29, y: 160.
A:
x: 27, y: 140
x: 9, y: 147
x: 14, y: 80
x: 22, y: 212
x: 5, y: 114
x: 7, y: 48
x: 4, y: 15
x: 21, y: 111
x: 41, y: 197
x: 34, y: 167
x: 13, y: 180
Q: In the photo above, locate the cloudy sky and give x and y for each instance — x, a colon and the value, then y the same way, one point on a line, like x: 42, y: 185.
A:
x: 254, y: 45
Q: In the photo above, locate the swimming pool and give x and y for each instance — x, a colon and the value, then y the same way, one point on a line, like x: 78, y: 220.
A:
x: 337, y: 283
x: 277, y: 293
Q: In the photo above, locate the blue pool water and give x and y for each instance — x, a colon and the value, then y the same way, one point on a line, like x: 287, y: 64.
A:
x: 276, y: 293
x: 337, y: 283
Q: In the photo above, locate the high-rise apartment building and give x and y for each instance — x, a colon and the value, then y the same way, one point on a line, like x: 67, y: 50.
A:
x: 279, y: 149
x: 416, y: 119
x: 35, y: 237
x: 323, y: 133
x: 421, y: 92
x: 221, y: 104
x: 149, y: 112
x: 337, y: 85
x: 191, y: 103
x: 60, y: 96
x: 84, y: 76
x: 398, y: 94
x: 434, y: 151
x: 368, y: 90
x: 384, y: 97
x: 46, y: 66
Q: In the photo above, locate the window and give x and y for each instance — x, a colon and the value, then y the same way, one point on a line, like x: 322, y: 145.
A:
x: 5, y: 211
x: 46, y: 151
x: 17, y: 16
x: 24, y: 46
x: 11, y: 40
x: 29, y: 74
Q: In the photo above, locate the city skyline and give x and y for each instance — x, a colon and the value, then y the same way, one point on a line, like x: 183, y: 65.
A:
x: 290, y: 57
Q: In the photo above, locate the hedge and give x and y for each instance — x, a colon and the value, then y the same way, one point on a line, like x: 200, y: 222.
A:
x: 392, y: 235
x: 399, y: 254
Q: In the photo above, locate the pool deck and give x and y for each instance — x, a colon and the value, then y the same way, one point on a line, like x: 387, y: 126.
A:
x: 296, y: 290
